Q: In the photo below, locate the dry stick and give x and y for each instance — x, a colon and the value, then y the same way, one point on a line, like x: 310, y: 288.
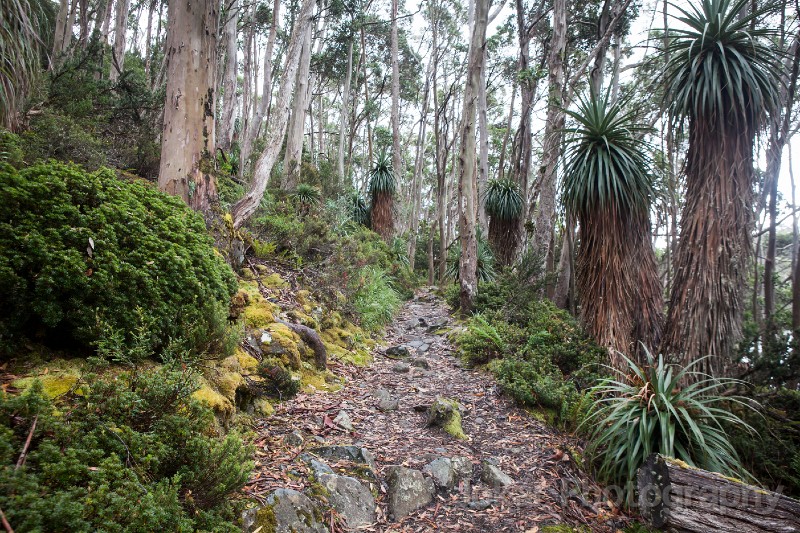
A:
x: 6, y: 525
x: 21, y: 460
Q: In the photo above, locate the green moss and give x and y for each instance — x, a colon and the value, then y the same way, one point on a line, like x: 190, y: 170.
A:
x: 446, y: 414
x: 273, y: 281
x: 284, y: 344
x: 265, y: 519
x: 312, y: 380
x: 247, y: 362
x: 221, y: 405
x: 57, y: 376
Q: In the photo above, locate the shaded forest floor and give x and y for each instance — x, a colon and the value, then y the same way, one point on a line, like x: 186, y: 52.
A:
x: 549, y: 488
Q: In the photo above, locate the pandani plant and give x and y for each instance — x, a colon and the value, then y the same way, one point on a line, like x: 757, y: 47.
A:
x: 721, y: 79
x: 382, y: 188
x: 646, y: 409
x: 608, y: 188
x: 503, y: 203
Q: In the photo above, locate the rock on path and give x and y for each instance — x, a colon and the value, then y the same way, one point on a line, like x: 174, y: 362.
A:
x: 522, y: 477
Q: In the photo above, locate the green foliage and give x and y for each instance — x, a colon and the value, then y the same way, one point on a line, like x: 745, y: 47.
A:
x: 607, y: 165
x: 399, y: 250
x: 650, y: 409
x: 131, y: 452
x: 503, y: 199
x: 55, y: 136
x: 486, y: 270
x: 86, y: 254
x: 359, y: 211
x: 719, y: 62
x: 375, y: 298
x: 381, y: 176
x: 535, y: 387
x: 306, y: 196
x: 10, y: 149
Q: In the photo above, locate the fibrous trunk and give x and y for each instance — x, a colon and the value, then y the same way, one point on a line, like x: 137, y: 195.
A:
x: 382, y: 207
x: 503, y: 239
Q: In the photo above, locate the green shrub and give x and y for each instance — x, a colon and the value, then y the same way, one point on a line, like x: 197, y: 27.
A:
x: 10, y: 148
x: 536, y: 387
x: 375, y: 299
x: 129, y: 452
x: 54, y: 136
x: 83, y: 254
x: 651, y: 410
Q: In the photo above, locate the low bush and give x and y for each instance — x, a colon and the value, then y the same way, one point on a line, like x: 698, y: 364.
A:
x: 651, y: 409
x: 375, y: 299
x: 86, y: 254
x: 130, y: 451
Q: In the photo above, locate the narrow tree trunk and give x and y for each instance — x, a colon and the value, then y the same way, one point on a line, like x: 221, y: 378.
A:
x: 245, y: 207
x: 416, y: 184
x: 61, y: 30
x: 118, y: 50
x: 467, y: 184
x: 562, y: 291
x: 501, y: 164
x: 397, y: 157
x: 294, y: 140
x: 545, y: 210
x: 148, y: 45
x: 250, y: 134
x: 188, y: 136
x: 345, y: 109
x: 225, y: 137
x: 483, y: 150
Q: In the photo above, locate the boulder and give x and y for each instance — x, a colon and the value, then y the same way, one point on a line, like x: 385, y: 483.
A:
x: 285, y: 511
x: 343, y: 421
x: 317, y: 467
x: 494, y: 477
x: 408, y: 490
x: 346, y: 453
x: 446, y: 414
x: 350, y: 498
x: 401, y: 368
x: 420, y: 362
x: 442, y: 473
x: 389, y: 404
x: 397, y: 352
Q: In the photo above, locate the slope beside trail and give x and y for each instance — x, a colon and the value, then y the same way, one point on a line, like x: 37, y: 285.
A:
x: 548, y: 486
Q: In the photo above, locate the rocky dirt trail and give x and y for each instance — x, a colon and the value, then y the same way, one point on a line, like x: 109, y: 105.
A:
x: 510, y: 473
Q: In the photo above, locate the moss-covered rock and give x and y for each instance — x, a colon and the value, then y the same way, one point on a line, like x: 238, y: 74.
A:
x: 284, y: 344
x: 57, y: 377
x: 446, y: 414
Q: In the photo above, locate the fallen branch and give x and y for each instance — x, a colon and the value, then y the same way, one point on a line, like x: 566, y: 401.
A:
x: 24, y: 454
x: 310, y: 337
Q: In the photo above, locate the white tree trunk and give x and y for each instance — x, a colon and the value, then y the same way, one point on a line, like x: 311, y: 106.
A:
x: 118, y: 50
x: 294, y: 140
x: 188, y: 136
x: 397, y: 156
x: 225, y: 137
x: 343, y: 115
x: 467, y: 183
x: 276, y: 130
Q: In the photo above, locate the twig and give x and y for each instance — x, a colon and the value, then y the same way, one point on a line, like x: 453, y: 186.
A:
x: 24, y: 454
x: 6, y: 525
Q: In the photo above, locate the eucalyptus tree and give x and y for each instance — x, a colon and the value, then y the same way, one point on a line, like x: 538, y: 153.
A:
x: 504, y: 205
x: 721, y: 79
x: 608, y: 188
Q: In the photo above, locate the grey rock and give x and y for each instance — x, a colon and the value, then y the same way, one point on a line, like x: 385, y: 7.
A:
x: 408, y: 490
x: 422, y: 348
x: 401, y: 368
x: 397, y: 352
x: 494, y: 477
x: 442, y: 473
x: 419, y: 362
x: 295, y: 438
x: 415, y: 344
x: 343, y: 421
x: 481, y: 505
x: 290, y: 512
x: 389, y: 405
x: 462, y: 468
x: 317, y: 467
x: 346, y: 453
x: 382, y: 394
x: 350, y: 498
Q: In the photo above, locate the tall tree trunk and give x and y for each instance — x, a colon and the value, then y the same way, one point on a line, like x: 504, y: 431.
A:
x: 188, y: 135
x: 562, y: 291
x: 61, y: 31
x: 501, y: 164
x: 225, y: 137
x: 276, y: 128
x: 148, y: 45
x: 118, y: 50
x: 345, y: 110
x: 483, y: 150
x: 251, y: 132
x: 416, y: 184
x: 544, y: 210
x: 397, y: 156
x: 294, y: 139
x: 467, y: 183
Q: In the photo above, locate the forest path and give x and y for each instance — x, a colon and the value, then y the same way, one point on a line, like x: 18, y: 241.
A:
x: 380, y: 402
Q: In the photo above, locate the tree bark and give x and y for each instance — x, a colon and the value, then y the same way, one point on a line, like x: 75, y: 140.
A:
x: 467, y: 183
x: 245, y: 207
x: 225, y: 137
x: 294, y: 141
x: 675, y: 496
x: 345, y: 109
x: 397, y: 157
x: 188, y: 137
x: 416, y: 184
x: 118, y: 50
x: 544, y: 210
x: 61, y: 30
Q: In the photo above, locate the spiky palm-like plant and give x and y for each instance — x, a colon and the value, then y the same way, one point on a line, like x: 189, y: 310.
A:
x: 306, y: 196
x: 722, y: 79
x: 359, y: 211
x: 503, y: 203
x: 608, y: 188
x: 486, y: 270
x: 21, y: 24
x: 381, y: 188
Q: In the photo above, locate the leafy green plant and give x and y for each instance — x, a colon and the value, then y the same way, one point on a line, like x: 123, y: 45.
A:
x: 651, y: 409
x: 375, y: 300
x: 131, y: 451
x: 536, y: 387
x: 399, y: 250
x: 481, y: 342
x: 486, y: 270
x: 306, y: 197
x: 502, y: 199
x: 381, y: 177
x: 85, y: 253
x: 359, y: 211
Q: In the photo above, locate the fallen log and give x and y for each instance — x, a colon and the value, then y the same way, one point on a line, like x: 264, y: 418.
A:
x: 312, y: 338
x: 678, y: 497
